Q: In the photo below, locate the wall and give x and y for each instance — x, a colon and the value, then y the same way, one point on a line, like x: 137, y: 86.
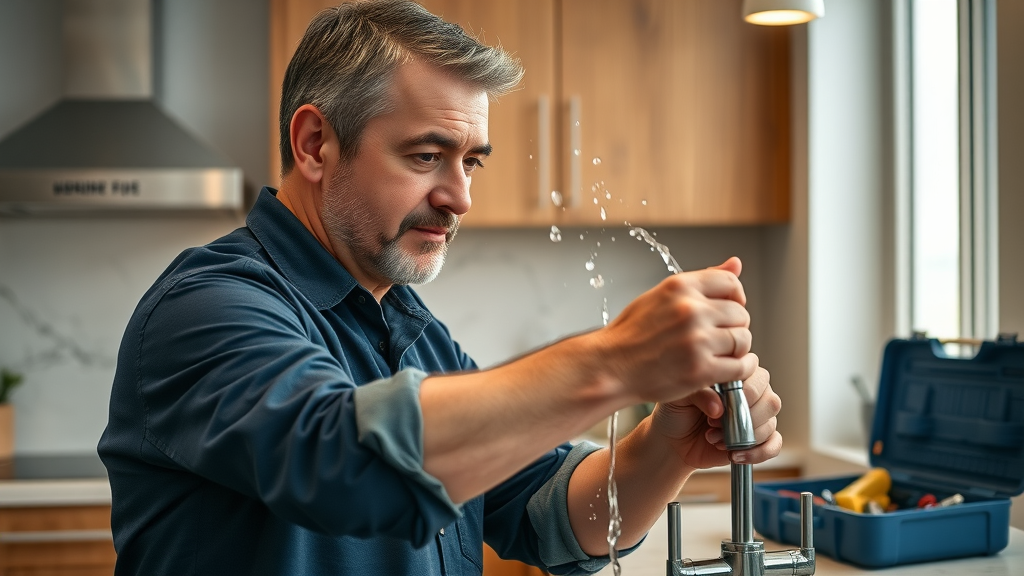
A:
x: 68, y: 285
x: 850, y: 191
x: 1010, y: 49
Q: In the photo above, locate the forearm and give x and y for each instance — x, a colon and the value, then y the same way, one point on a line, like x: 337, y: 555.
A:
x: 480, y: 428
x: 648, y: 475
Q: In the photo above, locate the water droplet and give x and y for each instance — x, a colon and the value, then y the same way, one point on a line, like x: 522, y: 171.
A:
x: 607, y: 195
x: 595, y: 200
x: 613, y: 238
x: 593, y: 516
x: 632, y: 233
x: 644, y: 202
x: 576, y: 152
x: 556, y: 197
x: 597, y: 281
x: 589, y: 265
x: 531, y: 156
x: 556, y: 234
x: 598, y: 244
x: 577, y: 122
x: 604, y: 215
x: 597, y: 161
x: 604, y: 311
x: 581, y: 236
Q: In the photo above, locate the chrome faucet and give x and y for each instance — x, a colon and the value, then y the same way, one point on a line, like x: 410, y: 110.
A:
x: 742, y: 555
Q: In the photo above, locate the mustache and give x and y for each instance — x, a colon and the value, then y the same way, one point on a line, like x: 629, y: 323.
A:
x: 431, y: 219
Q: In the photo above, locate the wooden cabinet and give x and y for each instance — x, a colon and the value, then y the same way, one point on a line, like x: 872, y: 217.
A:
x: 56, y: 541
x: 685, y: 106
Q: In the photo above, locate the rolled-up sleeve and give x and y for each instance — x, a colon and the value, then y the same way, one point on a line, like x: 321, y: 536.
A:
x: 390, y: 422
x: 526, y: 518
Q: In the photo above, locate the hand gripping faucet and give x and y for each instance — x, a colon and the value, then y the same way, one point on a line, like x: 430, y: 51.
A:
x: 742, y: 556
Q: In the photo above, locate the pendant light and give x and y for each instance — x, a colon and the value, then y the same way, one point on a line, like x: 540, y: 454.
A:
x: 782, y: 12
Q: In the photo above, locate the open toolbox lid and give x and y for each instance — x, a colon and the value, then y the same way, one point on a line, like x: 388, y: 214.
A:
x: 952, y: 424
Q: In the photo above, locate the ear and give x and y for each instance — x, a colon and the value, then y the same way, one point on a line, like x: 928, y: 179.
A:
x: 313, y: 141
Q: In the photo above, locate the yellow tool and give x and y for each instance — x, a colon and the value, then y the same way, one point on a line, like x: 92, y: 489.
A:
x: 871, y: 487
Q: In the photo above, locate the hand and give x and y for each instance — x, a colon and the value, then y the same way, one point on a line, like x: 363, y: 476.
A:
x: 693, y: 428
x: 685, y: 334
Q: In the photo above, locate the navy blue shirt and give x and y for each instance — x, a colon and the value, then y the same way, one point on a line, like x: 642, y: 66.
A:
x: 264, y: 419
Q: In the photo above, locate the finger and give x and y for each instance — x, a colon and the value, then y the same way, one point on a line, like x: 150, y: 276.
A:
x: 767, y: 450
x: 728, y: 368
x: 738, y: 342
x: 733, y: 265
x: 711, y: 283
x: 728, y: 313
x: 762, y: 433
x: 707, y: 401
x: 757, y: 384
x: 730, y: 342
x: 767, y: 407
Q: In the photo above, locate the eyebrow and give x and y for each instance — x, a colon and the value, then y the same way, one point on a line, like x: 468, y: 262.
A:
x: 444, y: 142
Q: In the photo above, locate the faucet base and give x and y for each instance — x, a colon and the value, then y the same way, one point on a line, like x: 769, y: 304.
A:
x: 745, y: 558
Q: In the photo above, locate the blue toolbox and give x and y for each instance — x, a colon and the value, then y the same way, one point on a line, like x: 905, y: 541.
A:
x: 943, y: 427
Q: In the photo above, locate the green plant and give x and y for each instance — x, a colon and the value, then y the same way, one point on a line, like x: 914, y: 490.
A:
x: 8, y: 382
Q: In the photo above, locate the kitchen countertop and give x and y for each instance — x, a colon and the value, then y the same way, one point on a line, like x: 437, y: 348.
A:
x: 54, y: 480
x: 704, y: 526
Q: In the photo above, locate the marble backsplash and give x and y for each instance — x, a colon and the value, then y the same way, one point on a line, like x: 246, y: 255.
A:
x: 68, y: 287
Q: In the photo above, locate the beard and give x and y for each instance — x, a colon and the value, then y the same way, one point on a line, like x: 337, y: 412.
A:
x: 349, y: 220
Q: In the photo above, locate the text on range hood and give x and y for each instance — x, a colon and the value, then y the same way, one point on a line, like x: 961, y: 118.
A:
x: 106, y: 146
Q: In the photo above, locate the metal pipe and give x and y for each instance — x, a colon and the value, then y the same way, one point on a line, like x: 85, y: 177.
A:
x: 742, y: 503
x: 675, y: 536
x: 806, y: 520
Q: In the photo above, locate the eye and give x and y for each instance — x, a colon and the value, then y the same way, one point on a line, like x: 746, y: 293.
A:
x: 472, y: 163
x: 427, y: 157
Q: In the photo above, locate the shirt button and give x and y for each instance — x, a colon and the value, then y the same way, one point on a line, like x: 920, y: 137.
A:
x: 381, y: 345
x: 442, y: 531
x: 362, y: 299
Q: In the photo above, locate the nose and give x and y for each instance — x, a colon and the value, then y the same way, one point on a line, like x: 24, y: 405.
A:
x: 451, y: 192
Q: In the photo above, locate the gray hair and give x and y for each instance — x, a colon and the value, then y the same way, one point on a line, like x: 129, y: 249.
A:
x: 347, y: 57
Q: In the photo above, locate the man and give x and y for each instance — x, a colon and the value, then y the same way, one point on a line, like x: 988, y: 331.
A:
x: 285, y: 404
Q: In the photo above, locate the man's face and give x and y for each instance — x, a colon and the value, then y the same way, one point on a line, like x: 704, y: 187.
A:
x: 391, y: 211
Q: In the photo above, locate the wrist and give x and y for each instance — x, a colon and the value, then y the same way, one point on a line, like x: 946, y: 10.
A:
x: 594, y: 357
x: 658, y: 451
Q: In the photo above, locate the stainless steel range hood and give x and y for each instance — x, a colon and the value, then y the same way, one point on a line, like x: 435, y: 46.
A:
x: 106, y: 146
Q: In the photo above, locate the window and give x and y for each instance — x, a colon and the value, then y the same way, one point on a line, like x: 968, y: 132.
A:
x: 952, y: 280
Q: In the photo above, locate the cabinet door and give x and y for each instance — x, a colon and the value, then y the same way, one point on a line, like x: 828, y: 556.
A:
x: 56, y: 541
x: 685, y: 104
x: 288, y: 22
x: 514, y: 188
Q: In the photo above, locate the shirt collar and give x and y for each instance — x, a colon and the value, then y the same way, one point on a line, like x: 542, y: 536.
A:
x: 307, y: 264
x: 296, y: 252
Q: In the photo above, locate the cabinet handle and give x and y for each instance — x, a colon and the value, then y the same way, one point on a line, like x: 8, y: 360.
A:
x: 543, y: 152
x: 55, y: 536
x: 575, y: 151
